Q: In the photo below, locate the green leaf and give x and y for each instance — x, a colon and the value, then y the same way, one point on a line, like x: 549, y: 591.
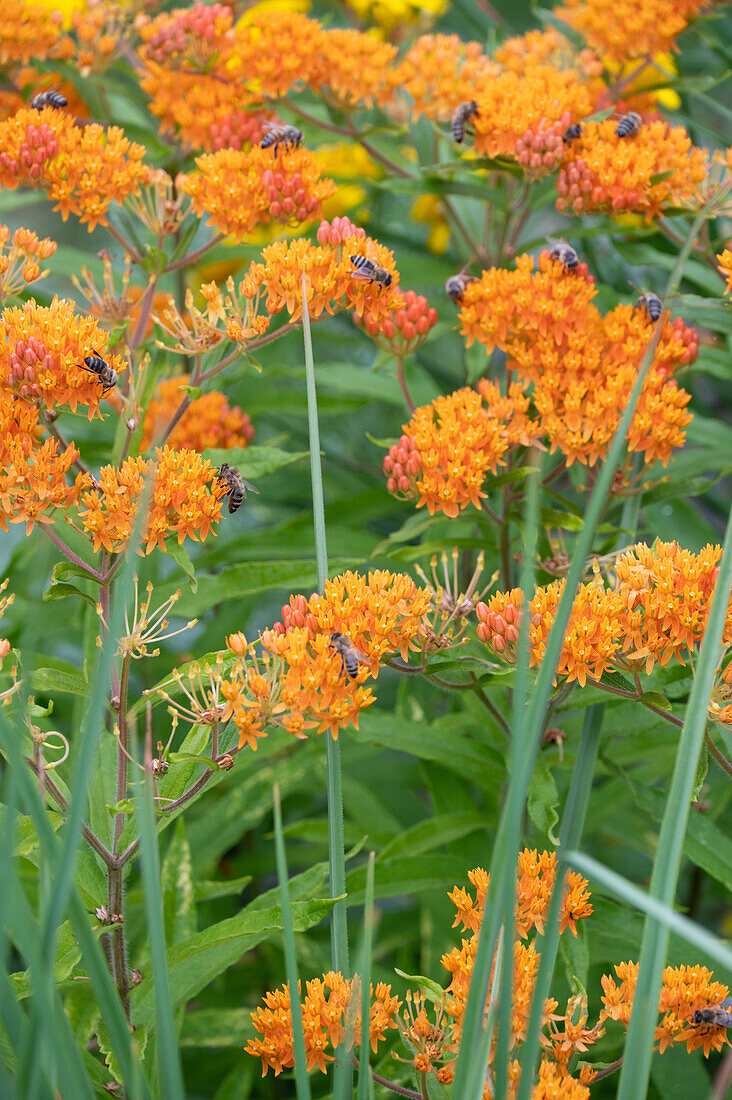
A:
x: 176, y: 881
x: 433, y: 833
x: 65, y: 680
x: 254, y: 462
x: 250, y: 577
x: 179, y: 553
x: 62, y: 570
x: 543, y: 800
x: 195, y: 962
x: 124, y: 806
x: 67, y: 956
x: 192, y: 758
x: 63, y: 591
x: 654, y: 698
x: 432, y: 989
x: 220, y: 888
x: 217, y: 1028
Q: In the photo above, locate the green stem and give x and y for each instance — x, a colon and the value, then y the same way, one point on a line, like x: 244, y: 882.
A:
x: 336, y: 850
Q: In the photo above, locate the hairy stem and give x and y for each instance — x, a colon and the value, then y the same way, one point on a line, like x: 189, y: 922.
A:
x: 116, y: 942
x: 146, y: 305
x: 400, y: 1090
x: 184, y: 261
x: 717, y: 754
x: 122, y: 747
x: 129, y: 248
x: 612, y: 1068
x: 401, y: 379
x: 69, y: 553
x: 102, y: 851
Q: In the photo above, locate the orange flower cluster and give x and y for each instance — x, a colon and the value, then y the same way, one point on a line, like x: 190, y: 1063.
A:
x: 546, y: 47
x: 275, y: 51
x: 582, y: 365
x: 331, y: 285
x: 331, y: 1013
x: 529, y: 108
x: 19, y: 259
x: 685, y: 990
x: 85, y: 169
x: 185, y: 501
x: 30, y: 32
x: 646, y: 173
x: 725, y: 266
x: 621, y: 29
x: 32, y: 475
x: 240, y: 190
x: 41, y: 348
x: 439, y: 71
x: 209, y: 420
x: 657, y: 609
x: 536, y: 878
x: 99, y: 27
x: 300, y: 681
x: 406, y: 328
x: 446, y: 451
x: 537, y: 874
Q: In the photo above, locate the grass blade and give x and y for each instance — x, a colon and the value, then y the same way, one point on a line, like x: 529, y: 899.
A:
x: 637, y: 1062
x: 336, y: 847
x: 365, y: 972
x: 170, y: 1073
x: 573, y: 820
x: 632, y: 895
x: 302, y: 1082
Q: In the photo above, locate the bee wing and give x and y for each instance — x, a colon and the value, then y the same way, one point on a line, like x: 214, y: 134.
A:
x: 250, y: 487
x: 364, y: 276
x: 726, y: 1004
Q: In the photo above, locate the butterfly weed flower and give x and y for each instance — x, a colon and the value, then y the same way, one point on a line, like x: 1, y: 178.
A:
x: 358, y: 67
x: 331, y: 1014
x: 725, y: 266
x: 405, y: 330
x: 41, y: 349
x: 209, y: 420
x: 183, y: 502
x: 21, y: 256
x: 445, y: 623
x: 684, y: 991
x: 276, y: 51
x: 603, y: 171
x: 428, y: 1040
x: 240, y: 189
x: 623, y: 30
x: 439, y: 71
x: 101, y: 28
x: 145, y: 627
x: 31, y: 32
x: 546, y: 47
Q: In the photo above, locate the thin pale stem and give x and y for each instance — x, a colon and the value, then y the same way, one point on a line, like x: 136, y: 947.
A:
x: 491, y: 708
x: 51, y: 425
x: 718, y: 756
x: 261, y: 342
x: 102, y: 851
x: 476, y: 249
x: 146, y: 305
x: 401, y: 379
x: 612, y: 1068
x: 191, y: 258
x: 400, y: 1090
x: 129, y: 248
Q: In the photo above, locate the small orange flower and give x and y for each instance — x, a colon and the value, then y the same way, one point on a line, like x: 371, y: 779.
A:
x: 84, y: 168
x: 446, y: 451
x: 518, y: 108
x: 685, y: 990
x: 725, y: 266
x: 329, y: 274
x: 275, y: 51
x: 183, y: 501
x: 622, y: 29
x: 405, y: 329
x: 239, y: 190
x: 41, y: 349
x: 30, y: 31
x: 358, y: 68
x: 656, y: 168
x: 209, y: 420
x: 331, y: 1013
x: 19, y: 259
x: 439, y: 71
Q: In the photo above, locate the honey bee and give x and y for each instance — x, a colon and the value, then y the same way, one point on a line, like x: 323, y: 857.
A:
x: 236, y: 485
x: 106, y: 375
x: 350, y: 656
x: 652, y: 304
x: 715, y: 1015
x: 456, y: 284
x: 461, y: 116
x: 49, y: 99
x: 572, y: 133
x: 277, y: 135
x: 370, y: 272
x: 565, y: 254
x: 629, y: 125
